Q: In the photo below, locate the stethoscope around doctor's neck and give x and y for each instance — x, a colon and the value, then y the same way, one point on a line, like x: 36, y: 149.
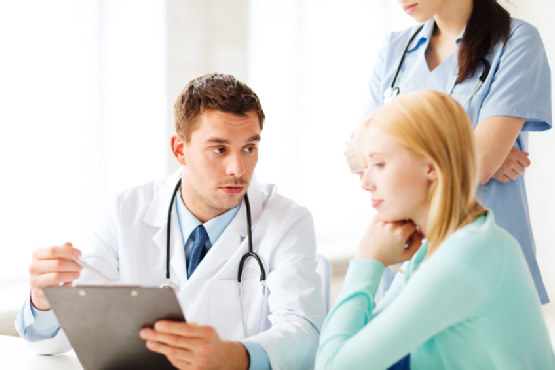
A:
x: 250, y: 253
x: 392, y: 91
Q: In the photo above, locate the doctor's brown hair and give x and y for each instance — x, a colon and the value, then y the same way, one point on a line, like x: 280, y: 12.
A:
x: 431, y: 124
x: 216, y: 92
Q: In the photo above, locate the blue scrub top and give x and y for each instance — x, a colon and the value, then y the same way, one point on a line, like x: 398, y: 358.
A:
x: 518, y: 85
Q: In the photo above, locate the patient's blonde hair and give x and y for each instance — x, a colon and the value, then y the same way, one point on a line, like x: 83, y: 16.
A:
x: 432, y: 125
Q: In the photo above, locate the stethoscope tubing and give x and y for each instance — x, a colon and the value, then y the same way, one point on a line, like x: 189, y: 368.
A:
x: 404, y: 55
x: 250, y: 252
x: 393, y: 91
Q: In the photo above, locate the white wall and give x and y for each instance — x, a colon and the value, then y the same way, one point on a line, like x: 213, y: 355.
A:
x: 203, y: 37
x: 83, y: 94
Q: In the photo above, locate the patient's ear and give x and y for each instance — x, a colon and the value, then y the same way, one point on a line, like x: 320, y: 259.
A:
x: 431, y: 171
x: 178, y: 145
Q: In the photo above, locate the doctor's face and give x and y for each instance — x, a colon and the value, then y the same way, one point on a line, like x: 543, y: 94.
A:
x: 422, y: 10
x: 219, y: 162
x: 397, y: 180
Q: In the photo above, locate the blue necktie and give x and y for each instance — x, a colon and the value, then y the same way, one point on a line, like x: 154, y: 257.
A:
x: 199, y: 237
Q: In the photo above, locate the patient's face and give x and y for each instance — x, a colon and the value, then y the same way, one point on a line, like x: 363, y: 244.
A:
x: 397, y: 180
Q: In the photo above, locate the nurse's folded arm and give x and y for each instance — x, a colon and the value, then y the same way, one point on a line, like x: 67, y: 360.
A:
x: 52, y: 266
x: 515, y: 164
x: 495, y: 139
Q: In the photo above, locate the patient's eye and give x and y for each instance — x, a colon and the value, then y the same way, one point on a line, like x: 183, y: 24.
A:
x: 218, y: 150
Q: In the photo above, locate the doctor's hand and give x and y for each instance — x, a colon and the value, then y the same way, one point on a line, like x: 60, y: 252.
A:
x: 514, y: 165
x: 385, y: 241
x: 52, y: 266
x: 192, y: 346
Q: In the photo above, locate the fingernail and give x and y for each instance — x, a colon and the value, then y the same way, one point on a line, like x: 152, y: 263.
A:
x: 144, y: 333
x: 159, y: 326
x: 150, y: 344
x: 77, y: 253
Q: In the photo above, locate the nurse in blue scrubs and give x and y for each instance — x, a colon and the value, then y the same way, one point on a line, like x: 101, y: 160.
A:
x: 496, y: 67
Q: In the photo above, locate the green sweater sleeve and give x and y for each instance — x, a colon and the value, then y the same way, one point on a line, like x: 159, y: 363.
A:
x: 434, y: 298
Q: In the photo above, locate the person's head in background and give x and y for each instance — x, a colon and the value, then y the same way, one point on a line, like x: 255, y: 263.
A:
x: 420, y: 163
x: 485, y: 23
x: 218, y: 121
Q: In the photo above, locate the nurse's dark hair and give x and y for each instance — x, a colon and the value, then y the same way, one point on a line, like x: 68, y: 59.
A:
x: 488, y: 25
x: 216, y: 92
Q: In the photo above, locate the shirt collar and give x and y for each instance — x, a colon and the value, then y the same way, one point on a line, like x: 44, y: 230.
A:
x: 425, y: 34
x: 460, y: 36
x: 214, y: 227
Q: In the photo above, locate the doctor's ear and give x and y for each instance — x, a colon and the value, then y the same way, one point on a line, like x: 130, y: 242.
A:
x: 178, y: 145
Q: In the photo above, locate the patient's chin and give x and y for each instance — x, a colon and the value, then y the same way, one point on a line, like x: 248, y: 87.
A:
x: 391, y: 217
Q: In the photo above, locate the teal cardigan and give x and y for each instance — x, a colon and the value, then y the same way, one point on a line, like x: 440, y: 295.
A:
x: 471, y: 305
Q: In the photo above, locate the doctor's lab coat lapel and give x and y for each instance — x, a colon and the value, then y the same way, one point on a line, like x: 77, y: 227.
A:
x: 157, y: 216
x: 230, y: 242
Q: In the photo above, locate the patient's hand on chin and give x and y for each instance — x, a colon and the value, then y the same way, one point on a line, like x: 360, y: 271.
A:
x: 385, y: 241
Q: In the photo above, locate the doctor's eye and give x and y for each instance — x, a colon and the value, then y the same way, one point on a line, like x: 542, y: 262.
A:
x: 249, y: 149
x: 379, y: 165
x: 218, y: 150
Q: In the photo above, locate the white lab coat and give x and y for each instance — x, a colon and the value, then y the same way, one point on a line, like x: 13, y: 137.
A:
x: 129, y: 246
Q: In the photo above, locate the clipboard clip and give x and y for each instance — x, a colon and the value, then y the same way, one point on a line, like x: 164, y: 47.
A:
x: 170, y: 285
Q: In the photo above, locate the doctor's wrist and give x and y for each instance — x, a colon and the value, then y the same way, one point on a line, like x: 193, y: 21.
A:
x: 237, y: 356
x: 40, y: 305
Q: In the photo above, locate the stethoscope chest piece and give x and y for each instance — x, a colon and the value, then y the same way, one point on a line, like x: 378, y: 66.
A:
x: 390, y: 93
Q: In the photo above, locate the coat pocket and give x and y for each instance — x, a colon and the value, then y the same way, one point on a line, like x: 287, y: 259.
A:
x: 225, y: 308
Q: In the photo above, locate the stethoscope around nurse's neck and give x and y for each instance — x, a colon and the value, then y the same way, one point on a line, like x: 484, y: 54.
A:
x: 392, y: 91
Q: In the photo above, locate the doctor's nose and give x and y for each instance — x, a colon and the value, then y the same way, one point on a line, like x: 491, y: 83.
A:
x: 235, y: 166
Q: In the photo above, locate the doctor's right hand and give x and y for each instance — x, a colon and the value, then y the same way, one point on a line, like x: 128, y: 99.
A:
x: 52, y: 266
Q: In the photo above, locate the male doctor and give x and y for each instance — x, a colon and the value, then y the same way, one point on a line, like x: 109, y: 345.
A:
x: 218, y: 122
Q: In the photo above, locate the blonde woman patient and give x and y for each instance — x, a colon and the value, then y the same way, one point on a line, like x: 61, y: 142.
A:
x: 465, y: 298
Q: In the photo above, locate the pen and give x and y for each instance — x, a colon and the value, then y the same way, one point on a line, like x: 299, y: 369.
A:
x: 94, y: 271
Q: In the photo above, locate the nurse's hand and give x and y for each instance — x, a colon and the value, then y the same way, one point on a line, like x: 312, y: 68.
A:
x: 192, y: 346
x: 515, y: 164
x: 52, y: 266
x: 352, y: 158
x: 385, y: 241
x: 351, y: 151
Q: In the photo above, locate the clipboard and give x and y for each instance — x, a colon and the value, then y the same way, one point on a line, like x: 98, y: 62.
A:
x: 102, y: 323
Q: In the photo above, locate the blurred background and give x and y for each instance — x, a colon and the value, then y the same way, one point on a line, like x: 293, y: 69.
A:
x: 87, y: 89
